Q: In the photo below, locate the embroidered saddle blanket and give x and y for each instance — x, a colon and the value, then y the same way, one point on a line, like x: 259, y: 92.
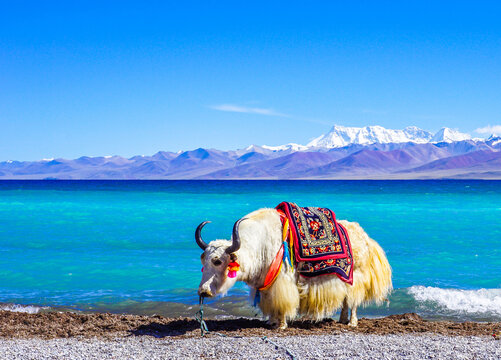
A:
x: 320, y: 245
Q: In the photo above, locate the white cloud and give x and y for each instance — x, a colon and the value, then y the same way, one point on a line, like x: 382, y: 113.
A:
x: 494, y: 129
x: 247, y: 110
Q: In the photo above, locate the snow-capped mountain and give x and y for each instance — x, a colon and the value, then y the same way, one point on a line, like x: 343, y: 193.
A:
x: 449, y: 135
x: 371, y: 152
x: 340, y: 136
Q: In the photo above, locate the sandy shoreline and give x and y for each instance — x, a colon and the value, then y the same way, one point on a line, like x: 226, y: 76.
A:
x: 54, y: 335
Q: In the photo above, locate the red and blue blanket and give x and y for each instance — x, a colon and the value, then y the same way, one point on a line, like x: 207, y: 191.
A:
x: 320, y: 245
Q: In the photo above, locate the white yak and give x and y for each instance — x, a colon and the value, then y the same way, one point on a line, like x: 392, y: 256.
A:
x: 255, y: 242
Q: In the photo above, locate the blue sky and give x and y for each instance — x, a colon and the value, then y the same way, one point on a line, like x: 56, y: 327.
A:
x: 130, y: 78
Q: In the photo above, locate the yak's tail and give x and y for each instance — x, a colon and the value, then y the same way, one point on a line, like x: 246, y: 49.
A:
x: 379, y: 285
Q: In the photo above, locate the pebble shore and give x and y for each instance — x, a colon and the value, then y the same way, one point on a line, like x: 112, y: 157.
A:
x: 337, y: 346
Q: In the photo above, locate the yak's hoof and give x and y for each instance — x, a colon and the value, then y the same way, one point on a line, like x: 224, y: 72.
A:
x: 353, y: 323
x: 282, y: 325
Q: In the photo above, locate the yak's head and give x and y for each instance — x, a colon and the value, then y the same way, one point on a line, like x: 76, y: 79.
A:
x: 215, y: 260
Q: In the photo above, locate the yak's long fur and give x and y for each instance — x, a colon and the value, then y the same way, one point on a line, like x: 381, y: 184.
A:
x: 292, y: 295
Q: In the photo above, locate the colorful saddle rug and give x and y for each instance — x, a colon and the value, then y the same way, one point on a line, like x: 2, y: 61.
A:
x: 320, y: 245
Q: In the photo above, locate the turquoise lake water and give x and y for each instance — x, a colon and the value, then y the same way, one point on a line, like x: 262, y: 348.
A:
x: 128, y: 246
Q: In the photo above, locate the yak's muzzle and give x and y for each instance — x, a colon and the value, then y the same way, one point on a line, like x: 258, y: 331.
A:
x: 205, y: 293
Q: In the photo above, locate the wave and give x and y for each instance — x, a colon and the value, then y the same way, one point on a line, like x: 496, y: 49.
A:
x: 467, y: 304
x: 29, y: 309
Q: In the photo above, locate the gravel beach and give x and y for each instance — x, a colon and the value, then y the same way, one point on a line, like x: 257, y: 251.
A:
x: 337, y: 346
x: 66, y: 335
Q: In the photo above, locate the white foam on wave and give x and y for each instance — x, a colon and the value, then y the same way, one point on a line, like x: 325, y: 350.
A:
x: 30, y: 309
x: 487, y: 301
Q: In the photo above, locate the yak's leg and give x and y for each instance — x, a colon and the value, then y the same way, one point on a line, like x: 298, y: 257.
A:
x: 278, y: 323
x: 343, y: 318
x: 353, y: 319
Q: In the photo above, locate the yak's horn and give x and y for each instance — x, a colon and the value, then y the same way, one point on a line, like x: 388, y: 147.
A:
x: 198, y: 236
x: 236, y: 238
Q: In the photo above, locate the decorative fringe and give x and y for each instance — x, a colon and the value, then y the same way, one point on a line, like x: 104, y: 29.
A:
x: 287, y: 241
x: 287, y: 257
x: 257, y: 298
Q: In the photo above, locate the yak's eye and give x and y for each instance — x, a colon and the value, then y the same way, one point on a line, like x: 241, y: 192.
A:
x: 217, y: 262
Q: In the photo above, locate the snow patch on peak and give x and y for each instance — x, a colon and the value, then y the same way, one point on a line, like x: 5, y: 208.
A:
x: 290, y: 146
x: 258, y: 149
x: 494, y: 140
x: 449, y: 135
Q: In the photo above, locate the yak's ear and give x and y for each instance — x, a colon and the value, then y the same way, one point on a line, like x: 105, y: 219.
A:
x: 202, y: 257
x: 233, y: 257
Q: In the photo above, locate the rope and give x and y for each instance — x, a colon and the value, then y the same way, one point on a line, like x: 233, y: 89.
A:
x: 204, y: 330
x: 277, y: 346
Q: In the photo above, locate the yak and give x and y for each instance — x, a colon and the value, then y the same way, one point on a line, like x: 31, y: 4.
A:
x: 256, y: 239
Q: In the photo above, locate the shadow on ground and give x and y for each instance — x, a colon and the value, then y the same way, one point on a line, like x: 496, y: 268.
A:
x: 231, y: 327
x: 184, y: 326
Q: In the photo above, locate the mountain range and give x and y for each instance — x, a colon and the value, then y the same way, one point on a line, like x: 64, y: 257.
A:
x: 371, y: 152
